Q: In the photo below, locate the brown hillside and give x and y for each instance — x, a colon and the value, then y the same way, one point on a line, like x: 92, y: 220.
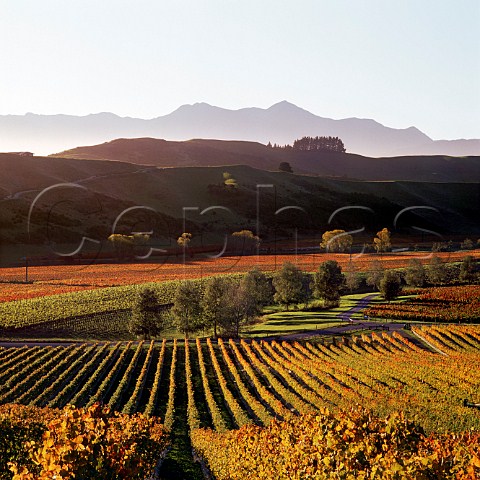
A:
x: 162, y: 153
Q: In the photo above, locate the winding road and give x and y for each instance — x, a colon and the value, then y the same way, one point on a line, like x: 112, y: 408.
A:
x: 145, y: 169
x: 362, y: 303
x: 353, y: 324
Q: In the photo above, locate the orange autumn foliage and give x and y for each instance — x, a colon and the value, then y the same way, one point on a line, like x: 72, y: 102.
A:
x: 55, y: 279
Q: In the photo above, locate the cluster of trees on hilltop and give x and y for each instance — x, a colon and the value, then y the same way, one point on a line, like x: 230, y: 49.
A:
x: 327, y: 144
x: 330, y: 144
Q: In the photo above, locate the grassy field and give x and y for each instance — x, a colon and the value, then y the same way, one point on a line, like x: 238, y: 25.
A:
x: 277, y: 321
x: 284, y: 323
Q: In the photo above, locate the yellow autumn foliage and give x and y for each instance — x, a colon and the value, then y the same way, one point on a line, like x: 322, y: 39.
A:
x: 351, y: 445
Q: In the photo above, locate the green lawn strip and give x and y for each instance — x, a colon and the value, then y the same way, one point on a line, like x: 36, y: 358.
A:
x: 279, y: 321
x: 179, y: 463
x: 268, y: 329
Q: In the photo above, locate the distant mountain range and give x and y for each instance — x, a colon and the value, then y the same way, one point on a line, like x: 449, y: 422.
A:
x: 282, y: 123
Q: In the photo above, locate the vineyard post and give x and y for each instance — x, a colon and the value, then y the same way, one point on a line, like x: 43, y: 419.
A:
x: 26, y: 268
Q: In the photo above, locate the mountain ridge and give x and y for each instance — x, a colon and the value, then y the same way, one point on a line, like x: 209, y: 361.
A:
x: 280, y: 123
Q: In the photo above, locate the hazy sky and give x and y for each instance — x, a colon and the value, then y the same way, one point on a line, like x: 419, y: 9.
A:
x: 401, y: 62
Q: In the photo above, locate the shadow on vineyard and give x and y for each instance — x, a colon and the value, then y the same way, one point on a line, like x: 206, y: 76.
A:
x: 229, y: 391
x: 179, y: 463
x: 97, y: 326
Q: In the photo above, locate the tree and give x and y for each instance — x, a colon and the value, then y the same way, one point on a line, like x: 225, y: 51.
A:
x: 186, y: 310
x: 467, y: 244
x: 375, y: 274
x: 246, y: 300
x: 467, y: 272
x: 353, y: 278
x: 329, y: 144
x: 390, y: 285
x: 229, y: 181
x: 285, y: 167
x: 288, y: 284
x: 436, y: 272
x: 147, y: 319
x: 215, y: 302
x: 415, y: 273
x: 336, y: 241
x: 327, y: 282
x: 183, y: 241
x: 382, y: 241
x: 258, y: 287
x: 248, y: 241
x: 238, y: 302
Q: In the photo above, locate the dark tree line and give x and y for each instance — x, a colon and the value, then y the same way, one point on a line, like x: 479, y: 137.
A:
x: 329, y: 144
x: 226, y: 304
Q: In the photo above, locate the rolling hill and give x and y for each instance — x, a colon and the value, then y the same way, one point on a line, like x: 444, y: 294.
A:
x: 162, y: 153
x: 115, y: 192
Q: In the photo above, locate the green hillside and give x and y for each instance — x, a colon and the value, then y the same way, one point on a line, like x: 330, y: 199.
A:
x: 62, y: 215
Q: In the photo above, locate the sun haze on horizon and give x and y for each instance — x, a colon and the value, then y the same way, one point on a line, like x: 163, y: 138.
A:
x: 402, y: 64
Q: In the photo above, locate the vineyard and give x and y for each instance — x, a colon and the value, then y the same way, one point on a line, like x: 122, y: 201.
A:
x: 57, y: 280
x: 203, y: 389
x: 441, y: 304
x: 107, y: 326
x: 80, y: 310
